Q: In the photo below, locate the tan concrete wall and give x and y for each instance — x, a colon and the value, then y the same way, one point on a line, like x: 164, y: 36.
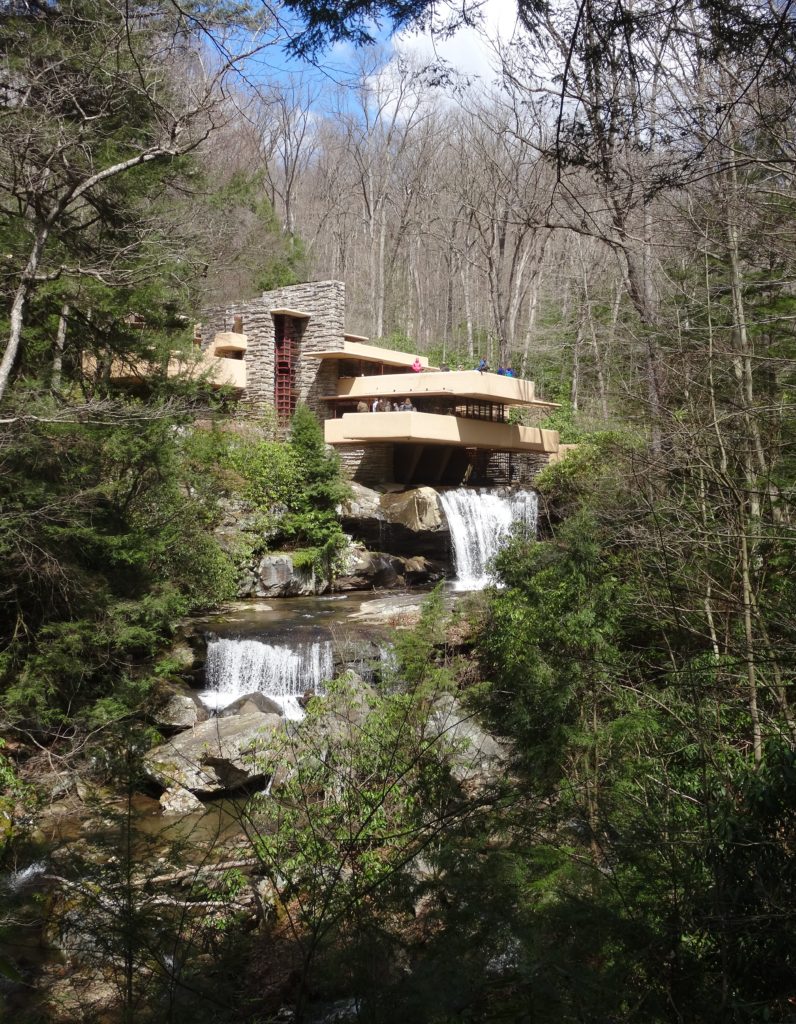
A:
x: 217, y: 371
x: 429, y: 428
x: 486, y: 387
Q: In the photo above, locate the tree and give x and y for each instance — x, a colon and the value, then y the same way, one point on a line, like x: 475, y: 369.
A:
x: 89, y: 97
x: 371, y: 792
x: 312, y: 518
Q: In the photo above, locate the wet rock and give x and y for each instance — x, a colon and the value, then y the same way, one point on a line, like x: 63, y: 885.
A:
x: 177, y: 800
x: 251, y: 704
x: 363, y: 570
x: 277, y: 577
x: 218, y: 755
x: 180, y: 711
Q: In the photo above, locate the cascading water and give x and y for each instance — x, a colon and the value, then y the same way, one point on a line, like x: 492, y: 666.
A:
x: 480, y: 522
x: 238, y: 667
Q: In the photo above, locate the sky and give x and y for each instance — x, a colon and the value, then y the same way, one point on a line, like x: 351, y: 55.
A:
x: 468, y: 51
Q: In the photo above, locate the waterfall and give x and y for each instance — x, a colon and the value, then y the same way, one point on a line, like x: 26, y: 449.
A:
x: 480, y: 522
x: 238, y: 667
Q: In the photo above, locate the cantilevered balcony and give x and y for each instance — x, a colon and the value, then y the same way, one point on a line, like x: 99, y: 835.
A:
x: 218, y: 372
x: 464, y: 385
x: 357, y: 351
x: 229, y: 343
x: 433, y: 428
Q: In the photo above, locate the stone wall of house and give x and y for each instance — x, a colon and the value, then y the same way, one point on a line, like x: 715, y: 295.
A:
x: 527, y: 464
x: 324, y: 301
x: 371, y: 465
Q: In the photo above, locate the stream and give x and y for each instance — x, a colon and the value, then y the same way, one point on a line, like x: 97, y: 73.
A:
x: 284, y: 648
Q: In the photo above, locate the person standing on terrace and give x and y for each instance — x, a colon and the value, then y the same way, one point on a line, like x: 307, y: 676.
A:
x: 417, y: 366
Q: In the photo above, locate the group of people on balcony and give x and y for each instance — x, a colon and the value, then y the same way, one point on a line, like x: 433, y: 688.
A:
x: 482, y: 367
x: 502, y: 371
x: 385, y: 405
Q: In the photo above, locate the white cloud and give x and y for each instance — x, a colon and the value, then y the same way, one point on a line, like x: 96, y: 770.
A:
x: 470, y: 51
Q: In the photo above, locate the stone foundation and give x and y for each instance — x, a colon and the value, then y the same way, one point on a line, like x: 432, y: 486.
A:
x: 369, y: 465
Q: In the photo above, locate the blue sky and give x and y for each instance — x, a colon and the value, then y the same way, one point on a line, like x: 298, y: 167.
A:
x: 467, y: 51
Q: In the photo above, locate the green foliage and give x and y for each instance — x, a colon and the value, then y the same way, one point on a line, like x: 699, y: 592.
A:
x: 650, y: 837
x: 106, y: 543
x: 296, y: 486
x: 565, y: 421
x: 551, y: 640
x: 370, y: 790
x: 271, y: 476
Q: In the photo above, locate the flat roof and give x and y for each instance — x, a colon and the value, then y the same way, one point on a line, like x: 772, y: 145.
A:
x: 467, y: 385
x: 290, y: 312
x: 370, y: 354
x: 434, y: 428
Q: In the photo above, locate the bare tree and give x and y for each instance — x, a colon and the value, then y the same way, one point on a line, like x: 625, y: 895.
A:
x: 87, y: 102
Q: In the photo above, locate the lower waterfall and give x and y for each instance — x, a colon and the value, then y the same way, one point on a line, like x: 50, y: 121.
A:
x: 238, y: 667
x: 480, y: 522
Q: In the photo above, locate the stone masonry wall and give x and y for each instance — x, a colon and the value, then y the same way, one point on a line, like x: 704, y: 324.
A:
x: 527, y: 464
x: 324, y: 301
x: 371, y: 465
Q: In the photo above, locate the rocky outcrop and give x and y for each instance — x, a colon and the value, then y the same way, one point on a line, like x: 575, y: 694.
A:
x: 277, y: 576
x: 474, y: 755
x: 407, y: 523
x: 180, y: 711
x: 251, y: 703
x: 417, y: 510
x: 366, y: 570
x: 221, y: 754
x: 180, y: 801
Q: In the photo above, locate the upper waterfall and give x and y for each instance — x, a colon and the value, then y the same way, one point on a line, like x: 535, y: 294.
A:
x: 480, y: 522
x: 284, y: 673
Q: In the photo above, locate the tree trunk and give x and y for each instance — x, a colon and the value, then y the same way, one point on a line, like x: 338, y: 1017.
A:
x: 58, y: 354
x: 21, y: 295
x: 468, y: 312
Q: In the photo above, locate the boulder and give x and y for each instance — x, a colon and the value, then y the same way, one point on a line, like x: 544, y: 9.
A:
x: 177, y: 800
x: 251, y: 704
x: 181, y: 711
x: 418, y: 510
x: 218, y: 755
x: 420, y: 570
x: 364, y: 570
x: 277, y: 577
x: 408, y: 522
x: 475, y: 756
x: 363, y: 504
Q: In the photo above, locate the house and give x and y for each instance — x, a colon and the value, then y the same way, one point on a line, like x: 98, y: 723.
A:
x: 293, y: 347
